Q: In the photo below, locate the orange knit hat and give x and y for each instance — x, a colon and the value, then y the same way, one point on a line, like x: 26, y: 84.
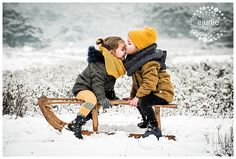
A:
x: 143, y: 38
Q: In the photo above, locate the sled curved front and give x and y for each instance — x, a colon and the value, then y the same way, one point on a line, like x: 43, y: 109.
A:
x: 46, y: 103
x: 45, y: 106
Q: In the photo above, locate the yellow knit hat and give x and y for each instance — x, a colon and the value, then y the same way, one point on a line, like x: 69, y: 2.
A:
x: 143, y: 38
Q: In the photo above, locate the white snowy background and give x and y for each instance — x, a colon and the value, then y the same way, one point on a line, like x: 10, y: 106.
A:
x: 202, y: 75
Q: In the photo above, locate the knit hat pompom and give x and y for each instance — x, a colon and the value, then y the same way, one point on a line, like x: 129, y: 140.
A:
x: 143, y: 38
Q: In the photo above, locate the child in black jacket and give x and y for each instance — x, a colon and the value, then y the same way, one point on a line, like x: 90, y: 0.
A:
x: 96, y: 82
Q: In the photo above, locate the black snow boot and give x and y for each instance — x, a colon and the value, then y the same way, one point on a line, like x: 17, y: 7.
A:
x: 143, y: 124
x: 89, y: 116
x: 76, y: 126
x: 152, y: 129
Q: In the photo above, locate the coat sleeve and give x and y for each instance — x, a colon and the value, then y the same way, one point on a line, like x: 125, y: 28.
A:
x: 149, y: 78
x: 133, y: 91
x: 98, y: 75
x: 75, y: 87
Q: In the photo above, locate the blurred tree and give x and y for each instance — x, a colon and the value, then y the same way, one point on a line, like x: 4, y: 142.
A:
x: 17, y: 31
x: 227, y: 38
x: 174, y: 20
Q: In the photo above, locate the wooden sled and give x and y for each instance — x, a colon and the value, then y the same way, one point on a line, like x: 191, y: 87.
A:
x: 46, y: 106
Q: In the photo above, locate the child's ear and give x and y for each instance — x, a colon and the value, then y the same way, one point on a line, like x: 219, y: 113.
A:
x: 112, y: 52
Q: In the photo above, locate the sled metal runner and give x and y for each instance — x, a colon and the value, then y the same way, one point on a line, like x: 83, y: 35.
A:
x: 46, y: 106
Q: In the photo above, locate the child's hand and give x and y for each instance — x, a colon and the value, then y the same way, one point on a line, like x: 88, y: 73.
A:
x: 105, y: 103
x: 134, y: 102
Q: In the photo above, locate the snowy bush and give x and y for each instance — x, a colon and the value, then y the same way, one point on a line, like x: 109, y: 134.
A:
x: 204, y: 89
x: 201, y: 89
x: 14, y: 98
x: 222, y: 144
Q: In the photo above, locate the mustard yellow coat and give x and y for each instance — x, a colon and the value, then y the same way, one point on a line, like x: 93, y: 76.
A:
x: 150, y: 79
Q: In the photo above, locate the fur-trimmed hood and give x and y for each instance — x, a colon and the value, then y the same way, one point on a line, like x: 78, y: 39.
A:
x: 94, y: 55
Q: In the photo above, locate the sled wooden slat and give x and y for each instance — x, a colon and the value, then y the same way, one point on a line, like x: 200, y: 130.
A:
x: 95, y: 118
x: 119, y: 102
x: 65, y: 102
x: 76, y: 101
x: 166, y: 106
x: 158, y: 116
x: 49, y: 115
x: 157, y: 109
x: 67, y: 99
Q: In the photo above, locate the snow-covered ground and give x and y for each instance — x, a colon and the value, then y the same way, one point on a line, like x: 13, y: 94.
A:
x: 33, y: 136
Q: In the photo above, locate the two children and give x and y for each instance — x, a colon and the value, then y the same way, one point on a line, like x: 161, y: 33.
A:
x: 145, y: 63
x: 96, y: 82
x: 151, y: 82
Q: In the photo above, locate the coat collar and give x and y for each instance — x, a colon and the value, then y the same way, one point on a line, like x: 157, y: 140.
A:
x: 135, y: 61
x: 94, y: 55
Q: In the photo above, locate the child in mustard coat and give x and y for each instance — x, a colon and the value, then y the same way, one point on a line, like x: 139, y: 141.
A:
x: 151, y: 81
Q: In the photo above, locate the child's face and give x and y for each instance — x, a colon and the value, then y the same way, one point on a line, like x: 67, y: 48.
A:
x: 130, y: 47
x: 121, y: 50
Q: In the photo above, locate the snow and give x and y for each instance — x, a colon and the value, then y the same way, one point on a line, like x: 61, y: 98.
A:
x: 33, y: 136
x: 18, y: 59
x: 178, y: 52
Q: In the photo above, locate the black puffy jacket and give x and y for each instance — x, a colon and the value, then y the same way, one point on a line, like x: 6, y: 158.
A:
x: 95, y: 77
